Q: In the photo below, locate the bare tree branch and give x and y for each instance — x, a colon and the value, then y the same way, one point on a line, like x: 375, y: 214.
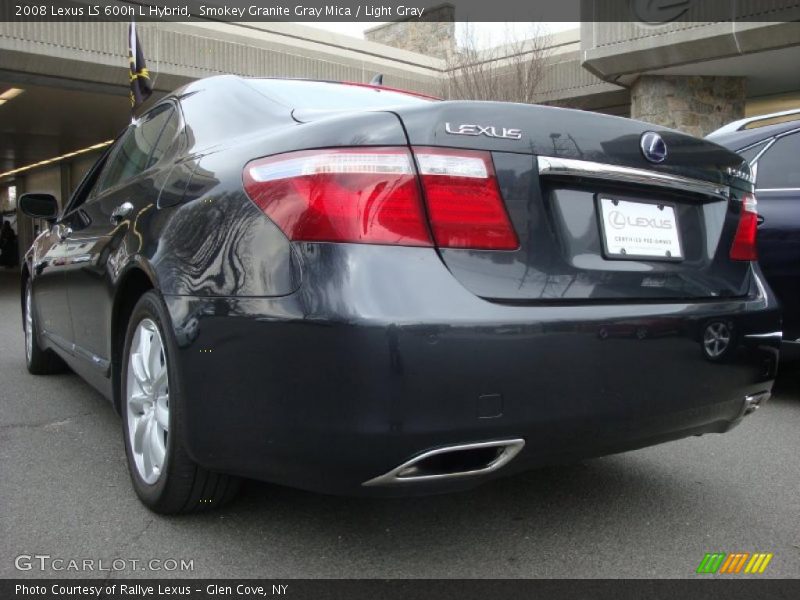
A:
x: 509, y: 72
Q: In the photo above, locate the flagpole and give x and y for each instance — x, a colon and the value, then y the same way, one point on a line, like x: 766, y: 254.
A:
x: 139, y: 76
x: 132, y: 57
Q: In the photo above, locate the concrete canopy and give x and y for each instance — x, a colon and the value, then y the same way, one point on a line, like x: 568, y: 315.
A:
x: 46, y: 121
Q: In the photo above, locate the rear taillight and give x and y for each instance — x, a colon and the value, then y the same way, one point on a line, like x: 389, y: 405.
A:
x: 365, y: 195
x: 372, y: 196
x: 465, y: 208
x: 744, y: 243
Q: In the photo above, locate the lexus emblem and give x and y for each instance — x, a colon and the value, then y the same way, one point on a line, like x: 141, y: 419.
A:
x: 487, y: 130
x: 653, y: 147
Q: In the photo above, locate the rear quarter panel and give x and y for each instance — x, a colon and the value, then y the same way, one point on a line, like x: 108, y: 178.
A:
x: 215, y: 241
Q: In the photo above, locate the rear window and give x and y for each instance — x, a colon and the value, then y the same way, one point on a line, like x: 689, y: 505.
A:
x: 323, y: 95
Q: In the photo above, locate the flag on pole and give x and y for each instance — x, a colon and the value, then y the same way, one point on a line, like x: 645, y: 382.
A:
x: 139, y: 75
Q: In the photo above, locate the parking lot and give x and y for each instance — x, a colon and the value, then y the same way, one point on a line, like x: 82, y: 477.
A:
x: 651, y: 513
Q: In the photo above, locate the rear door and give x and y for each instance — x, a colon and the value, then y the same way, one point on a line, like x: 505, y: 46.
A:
x: 95, y: 250
x: 596, y: 219
x: 778, y: 192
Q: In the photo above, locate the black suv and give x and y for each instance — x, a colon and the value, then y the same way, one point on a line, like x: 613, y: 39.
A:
x: 773, y: 151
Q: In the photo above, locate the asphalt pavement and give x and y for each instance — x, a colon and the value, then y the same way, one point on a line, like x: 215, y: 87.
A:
x: 65, y: 493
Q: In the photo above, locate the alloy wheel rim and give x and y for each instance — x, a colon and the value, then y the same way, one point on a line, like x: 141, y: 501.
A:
x: 147, y: 401
x: 28, y: 325
x: 716, y: 339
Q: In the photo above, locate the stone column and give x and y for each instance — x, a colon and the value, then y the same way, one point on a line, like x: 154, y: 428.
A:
x: 696, y: 105
x: 434, y: 34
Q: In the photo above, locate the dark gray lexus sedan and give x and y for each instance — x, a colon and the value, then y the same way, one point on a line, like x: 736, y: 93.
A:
x: 353, y: 289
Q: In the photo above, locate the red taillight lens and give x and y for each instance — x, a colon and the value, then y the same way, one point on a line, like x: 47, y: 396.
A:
x: 465, y: 208
x: 744, y: 244
x: 371, y: 196
x: 367, y: 195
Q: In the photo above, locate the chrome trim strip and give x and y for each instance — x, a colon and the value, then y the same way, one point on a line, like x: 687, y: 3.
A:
x: 73, y: 349
x: 754, y: 162
x: 510, y: 449
x: 770, y: 142
x: 59, y: 341
x: 766, y: 147
x: 762, y: 336
x: 91, y: 358
x: 570, y: 167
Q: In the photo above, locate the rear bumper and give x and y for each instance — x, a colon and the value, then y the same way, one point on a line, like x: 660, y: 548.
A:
x: 386, y: 356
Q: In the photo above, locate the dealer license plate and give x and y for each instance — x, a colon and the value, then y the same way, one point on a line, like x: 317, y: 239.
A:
x: 639, y: 230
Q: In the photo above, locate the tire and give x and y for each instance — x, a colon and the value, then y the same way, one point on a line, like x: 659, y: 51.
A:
x: 166, y: 480
x: 40, y: 361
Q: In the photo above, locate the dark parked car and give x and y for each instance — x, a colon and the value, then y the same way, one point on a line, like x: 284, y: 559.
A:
x: 773, y: 152
x: 348, y: 288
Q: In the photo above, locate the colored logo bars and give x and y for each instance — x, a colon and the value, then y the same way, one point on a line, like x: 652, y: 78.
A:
x: 734, y: 563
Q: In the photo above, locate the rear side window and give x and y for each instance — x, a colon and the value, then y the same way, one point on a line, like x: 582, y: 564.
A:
x: 331, y: 96
x: 780, y: 165
x: 140, y: 147
x: 753, y: 151
x: 166, y: 137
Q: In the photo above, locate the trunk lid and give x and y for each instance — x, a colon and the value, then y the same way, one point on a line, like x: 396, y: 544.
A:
x: 568, y: 179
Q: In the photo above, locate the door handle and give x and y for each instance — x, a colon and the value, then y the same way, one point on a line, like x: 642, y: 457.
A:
x: 64, y: 233
x: 122, y: 211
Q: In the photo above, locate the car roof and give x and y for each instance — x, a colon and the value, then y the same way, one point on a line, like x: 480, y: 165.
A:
x: 221, y: 81
x: 736, y: 140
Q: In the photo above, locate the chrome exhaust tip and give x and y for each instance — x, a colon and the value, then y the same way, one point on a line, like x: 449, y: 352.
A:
x: 753, y: 401
x: 452, y: 462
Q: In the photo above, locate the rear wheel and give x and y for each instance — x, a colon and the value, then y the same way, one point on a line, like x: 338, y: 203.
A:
x: 40, y: 361
x: 164, y: 477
